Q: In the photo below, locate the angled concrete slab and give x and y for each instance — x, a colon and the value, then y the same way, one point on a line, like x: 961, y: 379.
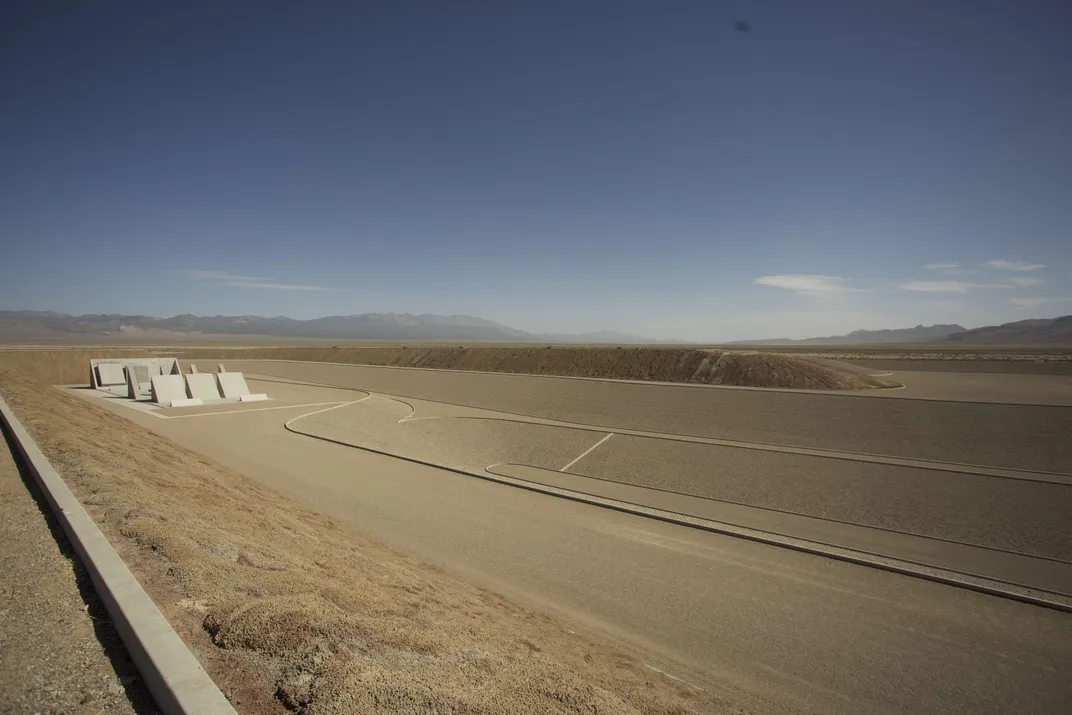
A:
x: 202, y: 385
x: 145, y: 368
x: 232, y: 384
x: 110, y: 374
x: 166, y: 388
x: 193, y: 369
x: 133, y: 387
x: 256, y: 397
x: 221, y: 368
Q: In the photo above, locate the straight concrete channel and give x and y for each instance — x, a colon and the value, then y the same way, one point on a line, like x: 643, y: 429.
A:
x: 173, y: 675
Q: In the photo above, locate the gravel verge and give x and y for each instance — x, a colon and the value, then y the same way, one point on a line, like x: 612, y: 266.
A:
x: 59, y: 652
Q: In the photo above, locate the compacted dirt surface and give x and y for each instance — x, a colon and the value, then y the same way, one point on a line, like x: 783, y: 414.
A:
x: 291, y: 611
x: 58, y: 650
x: 712, y: 367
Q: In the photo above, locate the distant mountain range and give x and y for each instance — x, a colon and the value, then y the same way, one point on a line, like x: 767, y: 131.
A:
x: 23, y: 325
x: 27, y: 326
x: 918, y: 334
x: 1022, y: 332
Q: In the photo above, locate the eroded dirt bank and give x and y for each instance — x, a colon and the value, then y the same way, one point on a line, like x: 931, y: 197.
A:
x: 713, y: 367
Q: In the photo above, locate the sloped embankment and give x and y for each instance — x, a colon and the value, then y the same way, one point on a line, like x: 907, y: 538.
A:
x: 712, y: 367
x: 291, y: 611
x: 61, y: 366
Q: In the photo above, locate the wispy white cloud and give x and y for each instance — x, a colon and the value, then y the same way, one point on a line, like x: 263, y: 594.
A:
x: 219, y: 276
x: 808, y: 284
x: 1028, y: 303
x: 1025, y: 281
x: 232, y: 280
x: 279, y: 286
x: 937, y: 303
x: 946, y: 286
x: 950, y: 269
x: 1003, y: 265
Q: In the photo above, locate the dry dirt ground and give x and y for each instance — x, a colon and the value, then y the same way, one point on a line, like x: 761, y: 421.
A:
x: 713, y: 367
x: 58, y: 650
x: 291, y: 611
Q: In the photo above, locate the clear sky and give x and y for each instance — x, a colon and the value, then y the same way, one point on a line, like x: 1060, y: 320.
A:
x: 556, y: 166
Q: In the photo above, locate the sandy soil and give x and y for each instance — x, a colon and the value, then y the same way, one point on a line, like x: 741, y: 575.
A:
x: 712, y: 367
x: 59, y: 652
x: 291, y: 611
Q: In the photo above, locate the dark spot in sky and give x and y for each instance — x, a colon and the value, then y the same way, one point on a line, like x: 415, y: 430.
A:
x: 742, y: 26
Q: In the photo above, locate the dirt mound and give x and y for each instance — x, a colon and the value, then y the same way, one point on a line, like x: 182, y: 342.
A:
x: 765, y: 370
x: 288, y: 608
x: 713, y: 367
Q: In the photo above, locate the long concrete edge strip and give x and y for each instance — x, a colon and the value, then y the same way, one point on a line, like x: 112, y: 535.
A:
x: 173, y: 675
x: 981, y: 470
x: 960, y: 579
x: 869, y: 392
x: 980, y: 584
x: 657, y: 383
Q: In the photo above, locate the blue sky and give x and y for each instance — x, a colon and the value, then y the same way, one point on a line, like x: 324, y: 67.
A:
x: 556, y: 166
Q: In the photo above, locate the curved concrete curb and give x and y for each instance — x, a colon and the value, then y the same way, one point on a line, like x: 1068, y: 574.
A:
x: 177, y: 681
x: 970, y: 582
x: 982, y: 470
x: 905, y: 567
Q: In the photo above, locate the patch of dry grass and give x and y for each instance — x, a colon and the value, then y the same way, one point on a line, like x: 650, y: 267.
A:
x: 291, y: 611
